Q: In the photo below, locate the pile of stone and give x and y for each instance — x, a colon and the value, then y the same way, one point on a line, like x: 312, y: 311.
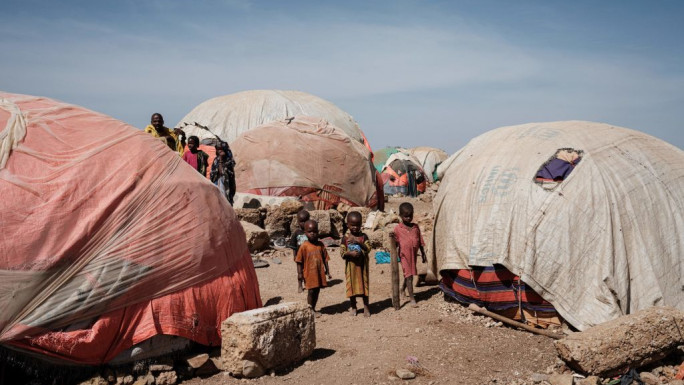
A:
x: 163, y: 371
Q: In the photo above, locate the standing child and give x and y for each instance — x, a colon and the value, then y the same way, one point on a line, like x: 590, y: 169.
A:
x: 195, y: 157
x: 312, y: 264
x: 409, y: 241
x: 354, y: 249
x: 296, y: 240
x: 223, y: 171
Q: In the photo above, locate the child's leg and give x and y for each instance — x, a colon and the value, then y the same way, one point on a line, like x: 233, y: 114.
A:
x: 313, y: 295
x: 366, y: 309
x: 409, y: 286
x: 403, y: 288
x: 352, y: 303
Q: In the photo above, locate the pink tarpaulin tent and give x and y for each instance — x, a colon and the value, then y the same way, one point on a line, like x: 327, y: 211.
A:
x: 108, y: 237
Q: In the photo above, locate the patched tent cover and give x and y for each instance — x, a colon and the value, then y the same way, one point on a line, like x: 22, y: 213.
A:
x: 429, y: 158
x: 109, y: 238
x: 606, y: 241
x: 306, y: 157
x: 230, y: 115
x: 380, y: 156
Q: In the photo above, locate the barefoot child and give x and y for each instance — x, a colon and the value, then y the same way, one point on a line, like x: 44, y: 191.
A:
x: 312, y: 264
x: 409, y: 241
x: 354, y: 249
x: 296, y: 240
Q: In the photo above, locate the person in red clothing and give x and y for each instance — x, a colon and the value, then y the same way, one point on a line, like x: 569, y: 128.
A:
x: 409, y: 241
x: 195, y: 157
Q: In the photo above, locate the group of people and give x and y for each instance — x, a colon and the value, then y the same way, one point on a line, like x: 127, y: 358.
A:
x: 312, y: 257
x: 222, y: 172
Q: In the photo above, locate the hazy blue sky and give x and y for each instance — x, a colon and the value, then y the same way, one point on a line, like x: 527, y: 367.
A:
x: 434, y: 73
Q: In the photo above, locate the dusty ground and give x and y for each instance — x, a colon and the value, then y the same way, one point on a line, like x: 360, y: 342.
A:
x: 452, y: 345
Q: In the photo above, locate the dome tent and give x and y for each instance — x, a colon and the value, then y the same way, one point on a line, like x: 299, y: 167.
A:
x: 230, y: 115
x: 429, y: 159
x: 402, y: 174
x: 305, y: 157
x: 606, y: 241
x: 102, y: 250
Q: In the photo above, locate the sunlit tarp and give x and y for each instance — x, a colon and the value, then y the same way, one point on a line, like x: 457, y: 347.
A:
x: 606, y: 241
x: 109, y: 238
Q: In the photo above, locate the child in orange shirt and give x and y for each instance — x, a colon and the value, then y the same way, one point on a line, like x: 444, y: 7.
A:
x: 312, y: 264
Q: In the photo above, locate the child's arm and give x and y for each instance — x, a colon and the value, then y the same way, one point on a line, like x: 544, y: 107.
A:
x: 327, y: 269
x: 300, y: 273
x: 422, y: 254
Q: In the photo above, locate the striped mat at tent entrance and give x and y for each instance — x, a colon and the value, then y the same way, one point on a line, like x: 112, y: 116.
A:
x: 492, y: 287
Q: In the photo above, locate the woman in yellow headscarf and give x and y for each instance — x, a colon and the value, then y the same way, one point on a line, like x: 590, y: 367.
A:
x: 170, y: 137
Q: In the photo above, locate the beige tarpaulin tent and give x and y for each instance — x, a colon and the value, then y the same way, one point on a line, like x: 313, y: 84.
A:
x: 429, y: 159
x: 229, y: 116
x: 305, y: 157
x: 606, y: 241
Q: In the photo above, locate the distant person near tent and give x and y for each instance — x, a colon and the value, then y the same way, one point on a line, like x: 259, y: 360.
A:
x: 195, y: 157
x: 223, y: 171
x: 175, y: 138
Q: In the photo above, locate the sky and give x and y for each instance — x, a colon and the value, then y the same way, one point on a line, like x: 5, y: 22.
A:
x: 411, y: 73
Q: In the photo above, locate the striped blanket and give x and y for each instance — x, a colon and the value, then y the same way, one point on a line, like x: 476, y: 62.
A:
x: 494, y: 288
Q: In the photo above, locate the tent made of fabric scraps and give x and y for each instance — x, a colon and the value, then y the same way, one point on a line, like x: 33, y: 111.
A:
x: 380, y: 156
x: 605, y: 241
x: 109, y: 238
x: 429, y: 159
x: 230, y: 115
x: 402, y: 174
x: 305, y: 157
x: 498, y: 290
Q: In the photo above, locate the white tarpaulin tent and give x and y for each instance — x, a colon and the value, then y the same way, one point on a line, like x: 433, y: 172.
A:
x: 429, y: 159
x: 229, y: 116
x: 606, y: 241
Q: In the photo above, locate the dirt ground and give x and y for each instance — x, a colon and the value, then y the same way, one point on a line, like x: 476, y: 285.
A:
x: 452, y: 345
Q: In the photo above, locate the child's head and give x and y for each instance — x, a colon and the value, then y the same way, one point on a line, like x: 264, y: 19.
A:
x: 311, y: 230
x: 406, y: 212
x: 222, y: 150
x: 302, y: 217
x: 193, y: 144
x: 354, y: 222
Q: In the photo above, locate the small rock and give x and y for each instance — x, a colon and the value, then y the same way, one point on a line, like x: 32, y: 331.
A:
x: 163, y: 365
x: 539, y: 377
x: 272, y: 373
x: 561, y: 379
x: 405, y: 374
x: 649, y: 378
x: 166, y: 378
x: 147, y: 379
x: 591, y: 380
x: 418, y: 330
x: 125, y: 380
x: 96, y: 380
x: 676, y: 382
x: 197, y: 361
x: 251, y: 369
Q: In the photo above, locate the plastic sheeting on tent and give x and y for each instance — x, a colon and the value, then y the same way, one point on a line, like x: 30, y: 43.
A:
x: 109, y: 238
x: 607, y: 241
x: 429, y: 159
x: 402, y: 174
x: 230, y: 115
x: 380, y: 156
x: 306, y: 157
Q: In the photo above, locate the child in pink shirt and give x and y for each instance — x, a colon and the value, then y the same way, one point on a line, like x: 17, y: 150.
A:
x: 409, y: 241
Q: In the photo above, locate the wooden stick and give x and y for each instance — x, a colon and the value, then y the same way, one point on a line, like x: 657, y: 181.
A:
x: 394, y: 267
x: 516, y: 324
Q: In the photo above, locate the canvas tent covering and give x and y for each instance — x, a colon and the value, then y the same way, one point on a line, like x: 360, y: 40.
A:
x: 402, y: 174
x: 306, y: 157
x: 606, y: 241
x: 230, y: 115
x: 429, y: 159
x: 109, y: 238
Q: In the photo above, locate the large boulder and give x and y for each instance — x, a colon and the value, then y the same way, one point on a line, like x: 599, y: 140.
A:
x: 257, y: 238
x: 268, y: 338
x: 330, y: 223
x: 630, y: 341
x: 252, y: 216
